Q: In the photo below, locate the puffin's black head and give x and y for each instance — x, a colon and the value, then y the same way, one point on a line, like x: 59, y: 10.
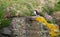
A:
x: 37, y: 13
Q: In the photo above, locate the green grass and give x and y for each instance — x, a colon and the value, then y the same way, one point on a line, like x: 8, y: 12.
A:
x: 57, y: 6
x: 26, y: 8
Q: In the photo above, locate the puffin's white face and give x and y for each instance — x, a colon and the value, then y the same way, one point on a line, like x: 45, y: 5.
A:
x: 35, y: 12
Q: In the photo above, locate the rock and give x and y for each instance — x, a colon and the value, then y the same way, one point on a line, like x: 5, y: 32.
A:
x: 24, y: 27
x: 6, y: 32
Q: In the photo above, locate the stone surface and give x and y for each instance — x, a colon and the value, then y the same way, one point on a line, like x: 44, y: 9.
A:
x: 25, y: 27
x: 6, y: 32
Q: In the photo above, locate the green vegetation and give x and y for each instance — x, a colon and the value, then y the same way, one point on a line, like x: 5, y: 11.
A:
x: 57, y: 6
x: 25, y: 7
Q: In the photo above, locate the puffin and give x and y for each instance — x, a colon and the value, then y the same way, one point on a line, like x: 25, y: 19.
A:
x: 36, y: 13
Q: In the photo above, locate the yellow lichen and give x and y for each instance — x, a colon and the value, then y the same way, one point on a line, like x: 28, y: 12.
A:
x: 54, y: 30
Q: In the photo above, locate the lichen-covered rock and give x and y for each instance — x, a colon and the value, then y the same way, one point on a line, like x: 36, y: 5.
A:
x: 24, y: 27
